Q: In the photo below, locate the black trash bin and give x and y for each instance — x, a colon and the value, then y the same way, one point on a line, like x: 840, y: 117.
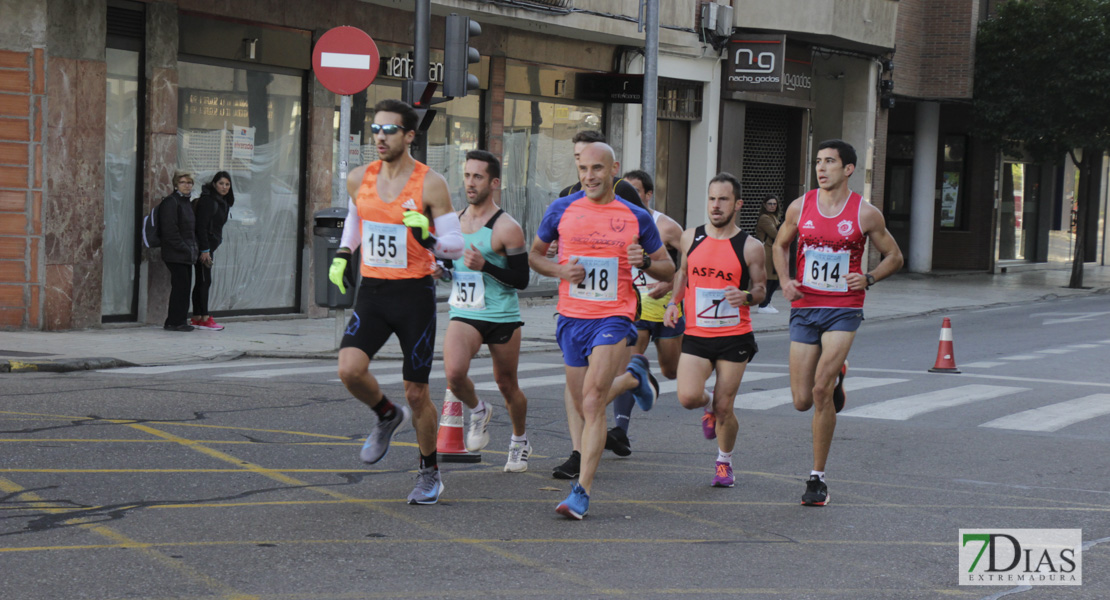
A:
x: 327, y: 236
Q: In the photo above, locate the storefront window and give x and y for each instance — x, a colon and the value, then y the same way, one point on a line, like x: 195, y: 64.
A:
x: 248, y: 122
x: 952, y: 207
x: 121, y: 137
x: 1017, y: 210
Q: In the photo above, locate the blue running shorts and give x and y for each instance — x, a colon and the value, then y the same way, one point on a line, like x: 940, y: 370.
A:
x: 807, y: 324
x: 578, y: 337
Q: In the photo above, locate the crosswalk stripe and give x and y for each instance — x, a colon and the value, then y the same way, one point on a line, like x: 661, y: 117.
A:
x: 160, y: 370
x: 670, y: 386
x: 772, y: 398
x: 1021, y: 357
x: 1055, y: 417
x: 529, y: 382
x: 392, y: 378
x: 1057, y: 350
x: 1084, y: 346
x: 983, y: 364
x: 268, y: 373
x: 900, y: 409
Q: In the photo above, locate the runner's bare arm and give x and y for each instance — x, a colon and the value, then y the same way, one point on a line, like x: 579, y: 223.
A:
x: 874, y: 226
x: 540, y: 263
x: 507, y: 239
x: 755, y: 256
x: 670, y: 316
x: 781, y: 250
x: 671, y: 234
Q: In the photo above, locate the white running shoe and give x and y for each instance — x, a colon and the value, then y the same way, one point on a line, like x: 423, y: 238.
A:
x: 767, y: 310
x: 477, y: 435
x: 518, y: 457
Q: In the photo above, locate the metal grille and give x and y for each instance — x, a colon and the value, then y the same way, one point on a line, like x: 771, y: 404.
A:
x: 764, y: 159
x: 126, y: 23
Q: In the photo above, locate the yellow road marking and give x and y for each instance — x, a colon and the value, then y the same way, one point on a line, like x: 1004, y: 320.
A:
x: 122, y: 541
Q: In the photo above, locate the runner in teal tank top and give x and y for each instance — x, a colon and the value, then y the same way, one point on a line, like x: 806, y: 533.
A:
x: 485, y: 309
x: 478, y: 295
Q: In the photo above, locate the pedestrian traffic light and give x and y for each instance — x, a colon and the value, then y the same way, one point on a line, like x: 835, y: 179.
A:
x: 458, y: 56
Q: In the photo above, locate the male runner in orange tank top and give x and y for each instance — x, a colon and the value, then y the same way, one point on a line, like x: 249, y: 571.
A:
x: 832, y: 225
x: 721, y: 275
x: 393, y: 203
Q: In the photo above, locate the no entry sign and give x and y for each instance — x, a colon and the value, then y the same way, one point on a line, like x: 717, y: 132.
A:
x: 345, y: 60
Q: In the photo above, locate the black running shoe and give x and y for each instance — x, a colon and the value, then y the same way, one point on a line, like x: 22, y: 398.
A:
x: 569, y: 469
x: 817, y: 493
x: 838, y: 391
x: 617, y: 441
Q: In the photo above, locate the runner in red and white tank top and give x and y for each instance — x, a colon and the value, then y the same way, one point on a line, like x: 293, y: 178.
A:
x: 832, y: 225
x: 829, y: 247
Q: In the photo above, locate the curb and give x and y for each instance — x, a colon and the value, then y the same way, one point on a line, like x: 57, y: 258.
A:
x: 61, y: 366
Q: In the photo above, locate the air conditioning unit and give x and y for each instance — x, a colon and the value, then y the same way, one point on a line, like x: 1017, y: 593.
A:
x: 716, y: 19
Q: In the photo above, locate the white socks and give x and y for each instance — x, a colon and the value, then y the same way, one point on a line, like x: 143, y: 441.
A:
x: 725, y: 457
x: 820, y: 474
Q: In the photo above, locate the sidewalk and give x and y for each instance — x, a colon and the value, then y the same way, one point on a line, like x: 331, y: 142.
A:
x: 295, y: 336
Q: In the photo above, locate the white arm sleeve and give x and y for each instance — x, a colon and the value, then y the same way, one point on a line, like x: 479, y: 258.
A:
x: 449, y: 240
x: 352, y: 228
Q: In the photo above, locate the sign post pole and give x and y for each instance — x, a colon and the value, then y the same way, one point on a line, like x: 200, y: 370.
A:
x: 345, y: 60
x: 341, y: 191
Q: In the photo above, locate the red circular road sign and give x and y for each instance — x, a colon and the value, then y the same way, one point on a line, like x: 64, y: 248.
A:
x: 345, y: 60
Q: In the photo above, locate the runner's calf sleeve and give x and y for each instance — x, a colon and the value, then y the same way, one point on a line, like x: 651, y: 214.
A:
x: 449, y: 239
x: 516, y: 276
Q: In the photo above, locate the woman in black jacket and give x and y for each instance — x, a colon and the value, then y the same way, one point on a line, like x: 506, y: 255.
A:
x: 177, y: 230
x: 212, y: 210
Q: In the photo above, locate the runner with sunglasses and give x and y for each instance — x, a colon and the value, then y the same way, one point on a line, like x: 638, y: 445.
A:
x: 400, y: 213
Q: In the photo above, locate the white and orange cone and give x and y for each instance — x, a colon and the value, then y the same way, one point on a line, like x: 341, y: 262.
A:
x: 946, y: 354
x: 449, y: 440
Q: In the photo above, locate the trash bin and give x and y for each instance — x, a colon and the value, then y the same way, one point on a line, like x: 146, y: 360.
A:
x: 327, y: 236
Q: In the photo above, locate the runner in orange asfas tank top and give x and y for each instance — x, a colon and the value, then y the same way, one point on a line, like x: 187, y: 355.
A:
x: 721, y: 275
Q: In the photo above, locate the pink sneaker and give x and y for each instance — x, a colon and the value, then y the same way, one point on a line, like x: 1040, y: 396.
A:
x: 210, y: 324
x: 709, y: 420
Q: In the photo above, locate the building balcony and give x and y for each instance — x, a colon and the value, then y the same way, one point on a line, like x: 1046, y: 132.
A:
x: 866, y: 26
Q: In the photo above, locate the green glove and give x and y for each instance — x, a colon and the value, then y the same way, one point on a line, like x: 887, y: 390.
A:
x: 418, y: 223
x: 337, y: 271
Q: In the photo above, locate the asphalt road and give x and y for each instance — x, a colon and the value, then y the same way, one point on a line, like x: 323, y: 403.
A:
x: 241, y: 480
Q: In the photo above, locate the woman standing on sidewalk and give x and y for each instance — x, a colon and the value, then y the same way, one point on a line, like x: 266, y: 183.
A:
x: 212, y: 210
x: 177, y: 228
x: 765, y: 231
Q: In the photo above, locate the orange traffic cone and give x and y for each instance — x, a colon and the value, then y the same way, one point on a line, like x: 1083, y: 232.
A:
x: 946, y: 355
x: 449, y: 440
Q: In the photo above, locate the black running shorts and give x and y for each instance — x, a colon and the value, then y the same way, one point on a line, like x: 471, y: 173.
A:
x: 492, y: 333
x: 731, y: 348
x: 406, y: 307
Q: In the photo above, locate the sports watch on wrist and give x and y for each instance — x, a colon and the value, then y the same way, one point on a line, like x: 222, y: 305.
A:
x: 870, y: 280
x: 647, y: 262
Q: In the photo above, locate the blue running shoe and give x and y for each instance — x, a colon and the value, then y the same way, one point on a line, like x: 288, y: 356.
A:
x: 429, y: 486
x: 576, y: 505
x: 648, y: 390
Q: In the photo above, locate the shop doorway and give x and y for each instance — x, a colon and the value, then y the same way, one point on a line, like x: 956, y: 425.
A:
x: 1017, y: 211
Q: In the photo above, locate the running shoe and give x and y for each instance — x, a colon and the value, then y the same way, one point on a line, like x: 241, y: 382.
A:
x: 724, y: 476
x: 767, y: 310
x: 709, y: 421
x: 576, y: 505
x: 377, y: 443
x: 477, y: 435
x: 838, y: 391
x: 617, y: 441
x: 817, y: 493
x: 569, y: 469
x: 518, y: 457
x: 648, y: 389
x: 209, y: 324
x: 428, y: 487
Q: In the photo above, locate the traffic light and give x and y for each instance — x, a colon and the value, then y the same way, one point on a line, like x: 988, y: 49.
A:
x: 458, y: 56
x: 419, y: 95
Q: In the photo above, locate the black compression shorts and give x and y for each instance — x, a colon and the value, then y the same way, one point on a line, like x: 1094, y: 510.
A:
x: 406, y: 307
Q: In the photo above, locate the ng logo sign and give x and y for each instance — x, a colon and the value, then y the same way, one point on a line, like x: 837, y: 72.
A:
x: 1021, y: 557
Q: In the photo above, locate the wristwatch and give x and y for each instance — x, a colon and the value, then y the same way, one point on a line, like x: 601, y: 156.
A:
x: 647, y: 262
x: 870, y: 280
x: 748, y: 298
